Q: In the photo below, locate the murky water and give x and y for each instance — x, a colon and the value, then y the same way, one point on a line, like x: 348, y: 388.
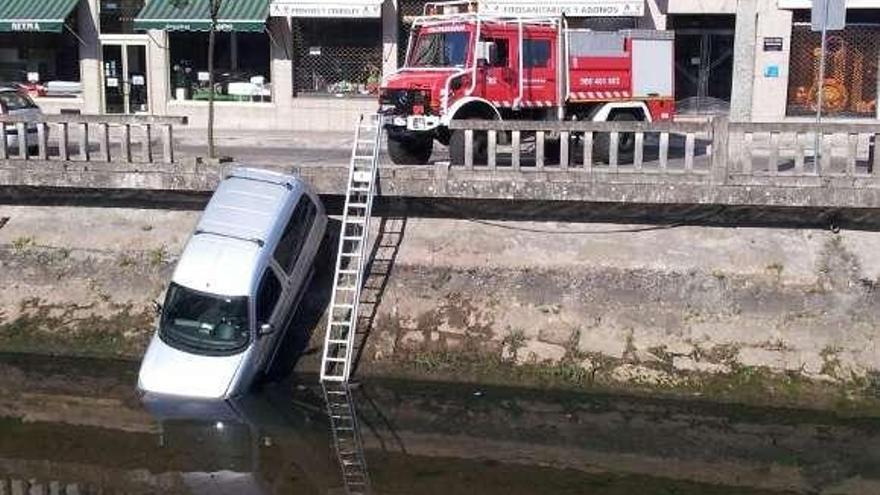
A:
x: 76, y: 426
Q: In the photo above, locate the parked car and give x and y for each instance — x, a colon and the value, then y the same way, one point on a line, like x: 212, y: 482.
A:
x: 236, y: 286
x: 14, y: 101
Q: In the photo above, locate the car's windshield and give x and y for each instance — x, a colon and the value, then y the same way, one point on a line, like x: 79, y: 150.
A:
x: 11, y: 101
x: 440, y: 50
x: 201, y: 322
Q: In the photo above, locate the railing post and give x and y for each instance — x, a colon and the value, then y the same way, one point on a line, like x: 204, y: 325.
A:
x: 126, y: 142
x: 539, y: 150
x: 664, y: 150
x: 773, y: 155
x: 720, y: 150
x: 689, y: 140
x: 492, y: 149
x: 469, y: 149
x: 515, y: 150
x: 639, y: 155
x: 613, y: 145
x: 564, y: 141
x: 104, y: 141
x: 42, y: 141
x: 146, y: 144
x: 167, y: 144
x: 588, y: 151
x: 4, y: 150
x: 21, y: 131
x: 84, y: 142
x: 63, y: 141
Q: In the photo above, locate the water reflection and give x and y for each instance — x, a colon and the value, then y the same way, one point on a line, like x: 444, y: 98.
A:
x: 78, y: 425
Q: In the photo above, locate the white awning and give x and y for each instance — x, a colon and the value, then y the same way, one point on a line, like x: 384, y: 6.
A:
x: 321, y: 8
x: 850, y: 4
x: 571, y: 8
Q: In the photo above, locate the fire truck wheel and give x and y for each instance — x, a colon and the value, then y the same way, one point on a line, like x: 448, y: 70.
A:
x: 625, y: 141
x: 456, y: 148
x: 410, y: 150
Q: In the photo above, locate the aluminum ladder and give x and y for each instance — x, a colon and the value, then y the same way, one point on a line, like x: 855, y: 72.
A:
x: 348, y: 278
x: 346, y: 437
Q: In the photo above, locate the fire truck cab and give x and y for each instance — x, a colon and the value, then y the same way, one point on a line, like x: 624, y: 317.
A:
x: 462, y: 64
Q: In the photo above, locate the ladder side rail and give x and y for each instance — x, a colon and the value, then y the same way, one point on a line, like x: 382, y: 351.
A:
x: 362, y: 248
x: 339, y: 251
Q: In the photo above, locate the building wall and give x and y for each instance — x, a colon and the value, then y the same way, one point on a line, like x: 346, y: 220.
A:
x: 770, y: 92
x: 760, y: 84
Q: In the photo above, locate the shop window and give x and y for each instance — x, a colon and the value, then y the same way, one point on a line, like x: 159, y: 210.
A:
x: 850, y: 88
x: 241, y: 66
x: 43, y: 64
x: 340, y: 57
x: 117, y: 16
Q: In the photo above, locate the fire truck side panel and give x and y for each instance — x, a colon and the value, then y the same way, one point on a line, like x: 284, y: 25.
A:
x: 600, y: 78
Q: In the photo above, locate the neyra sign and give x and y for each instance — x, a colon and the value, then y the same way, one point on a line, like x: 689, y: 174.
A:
x: 571, y: 8
x: 288, y: 8
x: 25, y: 26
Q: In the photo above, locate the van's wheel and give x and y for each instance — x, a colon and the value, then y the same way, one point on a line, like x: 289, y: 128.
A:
x: 410, y: 149
x: 456, y: 147
x: 626, y: 141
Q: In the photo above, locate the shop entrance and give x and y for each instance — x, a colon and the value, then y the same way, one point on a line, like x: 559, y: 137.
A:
x: 703, y: 63
x: 125, y: 77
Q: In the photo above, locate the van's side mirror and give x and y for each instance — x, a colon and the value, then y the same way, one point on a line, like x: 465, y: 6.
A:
x: 266, y: 329
x: 157, y: 307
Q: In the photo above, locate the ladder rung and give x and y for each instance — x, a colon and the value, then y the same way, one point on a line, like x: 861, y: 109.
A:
x: 357, y: 205
x: 346, y: 288
x: 360, y: 189
x: 343, y: 306
x: 359, y: 220
x: 337, y: 341
x: 363, y: 157
x: 335, y: 360
x: 341, y: 323
x: 348, y: 272
x: 351, y: 255
x: 352, y: 238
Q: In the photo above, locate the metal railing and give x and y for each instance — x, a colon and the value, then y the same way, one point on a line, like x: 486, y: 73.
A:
x: 715, y: 151
x: 32, y: 138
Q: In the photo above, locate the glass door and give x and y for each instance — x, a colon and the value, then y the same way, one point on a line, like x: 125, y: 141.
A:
x: 703, y: 70
x: 125, y: 78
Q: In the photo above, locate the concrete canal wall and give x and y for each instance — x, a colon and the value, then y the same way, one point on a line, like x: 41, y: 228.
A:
x: 757, y: 312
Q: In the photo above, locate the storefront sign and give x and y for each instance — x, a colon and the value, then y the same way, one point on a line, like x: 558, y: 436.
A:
x: 772, y: 44
x: 571, y: 8
x: 356, y: 8
x: 26, y: 26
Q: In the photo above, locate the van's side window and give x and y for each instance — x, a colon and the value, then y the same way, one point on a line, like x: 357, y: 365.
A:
x: 295, y: 234
x: 267, y: 296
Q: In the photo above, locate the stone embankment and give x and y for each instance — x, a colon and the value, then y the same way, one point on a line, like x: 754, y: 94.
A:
x: 755, y: 314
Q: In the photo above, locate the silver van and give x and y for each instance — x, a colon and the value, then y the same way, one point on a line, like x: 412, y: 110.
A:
x: 235, y: 288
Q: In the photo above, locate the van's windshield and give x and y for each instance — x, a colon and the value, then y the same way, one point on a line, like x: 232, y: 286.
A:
x: 204, y: 323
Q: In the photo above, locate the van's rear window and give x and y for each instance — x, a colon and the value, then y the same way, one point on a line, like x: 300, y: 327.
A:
x: 11, y: 101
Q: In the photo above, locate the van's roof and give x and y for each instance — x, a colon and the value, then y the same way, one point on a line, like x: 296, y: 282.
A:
x: 246, y: 204
x: 224, y: 252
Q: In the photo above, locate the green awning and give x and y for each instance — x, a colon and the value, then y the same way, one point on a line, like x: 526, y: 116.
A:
x: 30, y: 15
x: 195, y: 15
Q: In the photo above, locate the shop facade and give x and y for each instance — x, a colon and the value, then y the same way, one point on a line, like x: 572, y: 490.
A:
x: 312, y: 64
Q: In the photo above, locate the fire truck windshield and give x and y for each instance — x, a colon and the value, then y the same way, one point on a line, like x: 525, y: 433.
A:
x: 448, y: 49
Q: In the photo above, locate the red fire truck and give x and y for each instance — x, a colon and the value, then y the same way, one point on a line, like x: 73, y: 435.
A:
x: 463, y: 64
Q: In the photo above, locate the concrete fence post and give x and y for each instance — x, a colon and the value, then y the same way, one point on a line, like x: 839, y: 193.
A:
x: 720, y: 149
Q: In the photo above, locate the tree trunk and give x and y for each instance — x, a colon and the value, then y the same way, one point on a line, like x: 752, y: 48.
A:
x: 215, y: 7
